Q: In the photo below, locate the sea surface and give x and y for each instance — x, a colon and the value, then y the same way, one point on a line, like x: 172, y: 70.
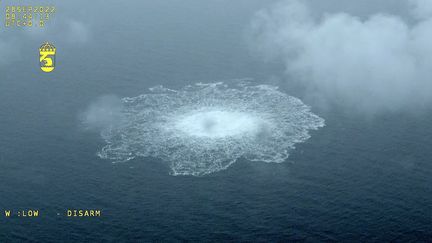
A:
x: 358, y: 179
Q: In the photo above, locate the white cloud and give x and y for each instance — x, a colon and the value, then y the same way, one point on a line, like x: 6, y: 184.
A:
x: 106, y: 111
x: 381, y: 63
x: 77, y: 32
x: 71, y: 31
x: 8, y: 52
x: 421, y: 8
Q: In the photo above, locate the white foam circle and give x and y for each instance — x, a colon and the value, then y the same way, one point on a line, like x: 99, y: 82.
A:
x: 204, y: 128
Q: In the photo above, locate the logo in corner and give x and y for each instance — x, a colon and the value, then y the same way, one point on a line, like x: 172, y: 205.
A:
x: 47, y: 54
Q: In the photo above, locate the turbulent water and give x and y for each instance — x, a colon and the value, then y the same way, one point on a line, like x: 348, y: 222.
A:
x: 204, y: 128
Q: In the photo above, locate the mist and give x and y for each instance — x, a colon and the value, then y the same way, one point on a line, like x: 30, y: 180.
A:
x: 6, y: 52
x: 103, y: 113
x: 379, y: 63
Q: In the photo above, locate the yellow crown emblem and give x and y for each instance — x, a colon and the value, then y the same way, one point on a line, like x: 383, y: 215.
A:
x: 47, y: 47
x: 47, y: 53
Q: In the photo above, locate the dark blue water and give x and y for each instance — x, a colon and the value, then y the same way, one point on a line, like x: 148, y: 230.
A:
x: 357, y: 179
